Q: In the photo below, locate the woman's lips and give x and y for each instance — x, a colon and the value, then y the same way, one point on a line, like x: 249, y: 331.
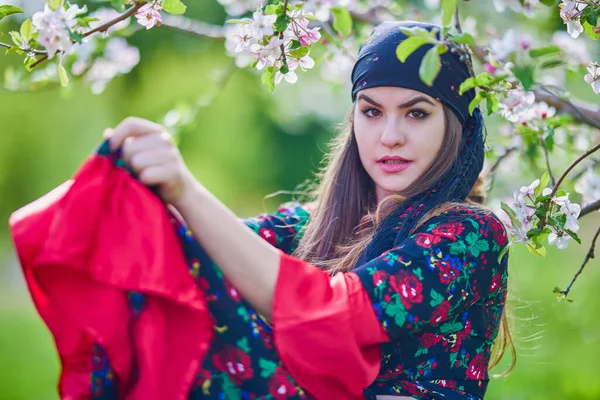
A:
x: 393, y: 168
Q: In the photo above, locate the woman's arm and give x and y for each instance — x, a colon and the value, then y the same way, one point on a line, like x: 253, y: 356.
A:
x: 250, y: 263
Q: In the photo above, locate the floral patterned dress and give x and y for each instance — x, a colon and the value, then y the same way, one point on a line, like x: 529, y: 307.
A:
x: 439, y: 296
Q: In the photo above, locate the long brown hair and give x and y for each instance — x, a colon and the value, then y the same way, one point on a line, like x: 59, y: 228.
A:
x: 346, y: 214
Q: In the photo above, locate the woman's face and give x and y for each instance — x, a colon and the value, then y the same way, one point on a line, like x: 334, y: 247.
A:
x: 399, y: 133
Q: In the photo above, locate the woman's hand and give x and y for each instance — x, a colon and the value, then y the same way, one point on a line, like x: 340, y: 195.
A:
x: 148, y: 149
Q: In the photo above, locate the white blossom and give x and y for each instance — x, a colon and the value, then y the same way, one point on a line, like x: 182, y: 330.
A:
x: 575, y: 51
x: 149, y: 15
x: 593, y: 77
x: 516, y: 104
x: 262, y: 25
x: 53, y: 27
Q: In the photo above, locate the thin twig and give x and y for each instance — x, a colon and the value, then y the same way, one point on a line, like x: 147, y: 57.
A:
x: 573, y: 164
x: 34, y: 51
x: 588, y: 256
x: 589, y: 208
x: 547, y: 157
x: 101, y: 28
x: 501, y: 158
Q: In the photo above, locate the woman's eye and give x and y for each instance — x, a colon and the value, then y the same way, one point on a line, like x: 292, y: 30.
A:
x: 417, y: 114
x: 371, y: 112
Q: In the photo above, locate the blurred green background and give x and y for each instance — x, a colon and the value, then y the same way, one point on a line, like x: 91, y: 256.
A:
x: 243, y: 146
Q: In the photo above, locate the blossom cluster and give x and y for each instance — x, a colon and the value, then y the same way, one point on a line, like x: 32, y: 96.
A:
x: 533, y: 206
x: 258, y: 42
x: 55, y: 27
x: 520, y: 107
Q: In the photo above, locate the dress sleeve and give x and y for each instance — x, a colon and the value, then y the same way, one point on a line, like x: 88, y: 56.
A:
x: 321, y: 323
x: 284, y: 227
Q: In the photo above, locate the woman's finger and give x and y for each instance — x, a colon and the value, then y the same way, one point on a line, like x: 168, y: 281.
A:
x: 151, y: 158
x: 134, y: 145
x: 131, y: 127
x: 157, y: 174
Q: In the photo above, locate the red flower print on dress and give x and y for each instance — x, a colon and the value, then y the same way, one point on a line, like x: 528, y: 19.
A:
x: 379, y: 277
x: 440, y: 313
x: 449, y: 230
x: 202, y: 377
x: 447, y: 272
x: 280, y: 386
x: 408, y: 286
x: 426, y: 240
x: 429, y: 339
x: 268, y: 235
x: 498, y: 231
x: 496, y: 281
x: 477, y: 368
x: 234, y: 362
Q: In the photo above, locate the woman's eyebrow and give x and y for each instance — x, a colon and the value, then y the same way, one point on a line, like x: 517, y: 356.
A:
x: 409, y: 103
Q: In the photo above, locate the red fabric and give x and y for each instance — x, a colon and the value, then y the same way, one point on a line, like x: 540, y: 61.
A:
x: 326, y: 331
x: 82, y: 247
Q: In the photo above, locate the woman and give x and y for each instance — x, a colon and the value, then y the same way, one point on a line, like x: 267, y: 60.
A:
x: 397, y: 286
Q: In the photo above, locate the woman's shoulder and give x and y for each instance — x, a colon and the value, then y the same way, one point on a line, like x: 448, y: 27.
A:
x: 467, y: 222
x: 296, y: 209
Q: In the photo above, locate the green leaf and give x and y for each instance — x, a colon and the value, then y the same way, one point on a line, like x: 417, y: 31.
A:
x: 274, y: 9
x: 301, y: 52
x: 26, y: 30
x: 549, y: 3
x: 15, y: 49
x: 268, y: 79
x: 463, y: 38
x: 243, y: 344
x: 448, y: 11
x: 591, y: 15
x: 85, y: 21
x: 397, y: 311
x: 342, y: 20
x: 409, y: 46
x: 536, y: 248
x: 76, y: 37
x: 525, y: 75
x: 5, y: 11
x: 16, y: 38
x: 54, y: 4
x: 542, y: 51
x: 573, y: 235
x: 589, y: 29
x: 237, y: 21
x: 64, y: 77
x: 430, y: 66
x: 552, y: 64
x: 282, y: 22
x: 451, y: 327
x: 415, y: 31
x: 267, y: 367
x: 503, y: 252
x: 476, y: 100
x: 295, y: 44
x: 230, y: 390
x: 436, y: 298
x: 543, y: 183
x: 492, y: 103
x: 174, y: 6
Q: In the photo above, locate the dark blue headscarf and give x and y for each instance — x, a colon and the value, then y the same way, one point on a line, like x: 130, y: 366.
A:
x: 378, y: 65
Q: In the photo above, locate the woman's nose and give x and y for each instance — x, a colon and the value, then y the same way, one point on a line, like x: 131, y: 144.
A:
x: 393, y: 135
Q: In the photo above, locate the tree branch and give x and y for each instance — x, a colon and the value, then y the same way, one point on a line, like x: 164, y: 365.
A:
x: 580, y: 112
x: 101, y: 28
x: 588, y: 256
x: 193, y: 27
x: 589, y: 208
